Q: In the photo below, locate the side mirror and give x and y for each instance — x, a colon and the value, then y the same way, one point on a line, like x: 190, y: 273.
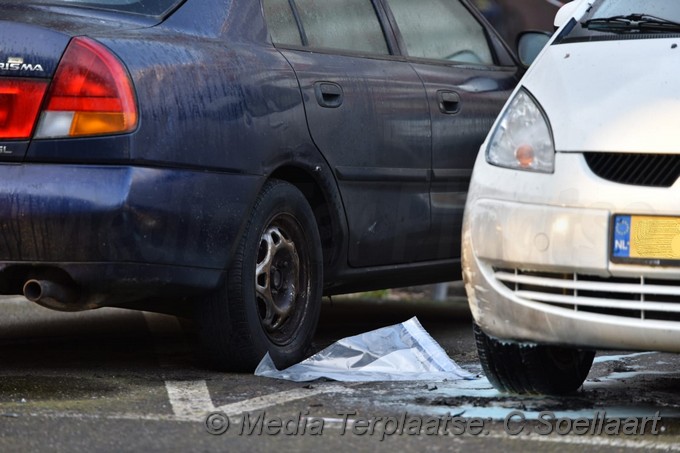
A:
x: 530, y: 44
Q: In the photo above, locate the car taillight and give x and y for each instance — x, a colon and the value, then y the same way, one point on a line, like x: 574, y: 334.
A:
x: 20, y: 101
x: 91, y: 94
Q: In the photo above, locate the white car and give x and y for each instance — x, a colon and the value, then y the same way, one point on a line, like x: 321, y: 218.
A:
x: 571, y: 237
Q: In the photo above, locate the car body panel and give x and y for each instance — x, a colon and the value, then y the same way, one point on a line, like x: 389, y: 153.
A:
x: 72, y: 19
x: 378, y: 144
x: 455, y: 141
x: 632, y: 121
x: 159, y: 210
x: 136, y: 214
x: 503, y: 315
x: 559, y: 230
x: 538, y: 249
x: 39, y: 58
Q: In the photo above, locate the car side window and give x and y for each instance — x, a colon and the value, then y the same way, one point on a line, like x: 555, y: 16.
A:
x: 281, y: 22
x: 351, y: 25
x: 442, y: 30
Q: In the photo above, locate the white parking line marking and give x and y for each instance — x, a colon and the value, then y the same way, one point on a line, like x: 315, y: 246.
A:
x: 190, y: 400
x: 263, y: 402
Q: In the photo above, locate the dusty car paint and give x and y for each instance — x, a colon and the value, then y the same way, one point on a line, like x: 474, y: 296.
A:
x: 244, y: 177
x: 538, y: 249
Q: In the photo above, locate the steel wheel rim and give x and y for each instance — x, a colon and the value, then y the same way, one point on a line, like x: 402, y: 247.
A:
x: 281, y: 278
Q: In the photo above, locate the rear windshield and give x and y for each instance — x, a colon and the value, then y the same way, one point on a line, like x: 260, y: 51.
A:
x: 143, y: 7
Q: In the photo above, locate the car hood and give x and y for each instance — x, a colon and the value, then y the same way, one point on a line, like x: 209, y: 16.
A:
x: 611, y: 96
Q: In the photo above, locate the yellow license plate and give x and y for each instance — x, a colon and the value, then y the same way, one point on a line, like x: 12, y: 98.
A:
x: 646, y: 237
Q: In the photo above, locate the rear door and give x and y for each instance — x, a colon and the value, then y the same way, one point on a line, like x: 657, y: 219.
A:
x: 468, y: 75
x: 368, y: 115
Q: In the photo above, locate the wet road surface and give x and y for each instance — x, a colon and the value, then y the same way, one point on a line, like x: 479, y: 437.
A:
x: 115, y: 380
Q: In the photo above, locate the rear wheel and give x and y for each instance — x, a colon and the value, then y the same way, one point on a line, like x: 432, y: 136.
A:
x: 271, y: 299
x: 530, y: 368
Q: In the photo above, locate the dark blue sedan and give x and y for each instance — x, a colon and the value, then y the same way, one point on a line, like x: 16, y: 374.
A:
x: 238, y: 159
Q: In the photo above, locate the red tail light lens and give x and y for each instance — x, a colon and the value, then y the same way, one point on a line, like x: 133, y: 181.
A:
x: 91, y: 94
x: 20, y: 101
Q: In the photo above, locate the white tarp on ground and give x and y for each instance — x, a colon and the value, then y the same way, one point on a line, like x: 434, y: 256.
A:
x: 403, y: 352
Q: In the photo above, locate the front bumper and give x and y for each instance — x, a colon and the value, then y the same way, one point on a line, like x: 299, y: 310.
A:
x: 120, y: 229
x: 539, y: 270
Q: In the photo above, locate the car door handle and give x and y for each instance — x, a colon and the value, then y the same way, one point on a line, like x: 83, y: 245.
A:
x: 449, y: 102
x: 328, y: 94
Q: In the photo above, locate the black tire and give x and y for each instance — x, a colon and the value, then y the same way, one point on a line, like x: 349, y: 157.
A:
x: 531, y: 368
x: 272, y: 297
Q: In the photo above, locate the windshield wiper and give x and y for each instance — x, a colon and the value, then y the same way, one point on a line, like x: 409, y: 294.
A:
x: 631, y: 23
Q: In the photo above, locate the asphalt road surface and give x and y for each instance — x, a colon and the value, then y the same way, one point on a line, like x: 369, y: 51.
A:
x: 116, y: 380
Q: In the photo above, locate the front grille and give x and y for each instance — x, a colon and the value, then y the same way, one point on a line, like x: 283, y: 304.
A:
x: 639, y: 298
x: 652, y: 170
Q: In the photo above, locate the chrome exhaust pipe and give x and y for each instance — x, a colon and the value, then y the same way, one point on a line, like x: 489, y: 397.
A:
x: 52, y: 294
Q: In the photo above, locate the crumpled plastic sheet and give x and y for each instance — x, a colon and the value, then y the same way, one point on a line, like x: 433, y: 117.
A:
x: 403, y: 352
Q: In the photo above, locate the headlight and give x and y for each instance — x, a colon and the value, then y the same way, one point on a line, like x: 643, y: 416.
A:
x: 522, y: 139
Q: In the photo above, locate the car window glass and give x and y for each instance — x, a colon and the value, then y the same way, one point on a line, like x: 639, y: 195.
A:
x: 342, y: 24
x: 666, y: 9
x: 441, y: 29
x: 281, y: 22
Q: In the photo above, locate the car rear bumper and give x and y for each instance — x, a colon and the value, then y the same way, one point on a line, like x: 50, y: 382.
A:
x: 123, y: 229
x: 539, y: 269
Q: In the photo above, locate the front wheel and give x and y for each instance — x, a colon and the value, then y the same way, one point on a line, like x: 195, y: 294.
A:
x: 272, y: 298
x: 532, y: 368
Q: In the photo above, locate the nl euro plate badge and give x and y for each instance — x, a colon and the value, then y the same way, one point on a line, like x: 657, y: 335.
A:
x: 646, y: 237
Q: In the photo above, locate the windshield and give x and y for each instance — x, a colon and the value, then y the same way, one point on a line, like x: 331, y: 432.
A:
x: 143, y: 7
x: 612, y: 19
x: 666, y: 9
